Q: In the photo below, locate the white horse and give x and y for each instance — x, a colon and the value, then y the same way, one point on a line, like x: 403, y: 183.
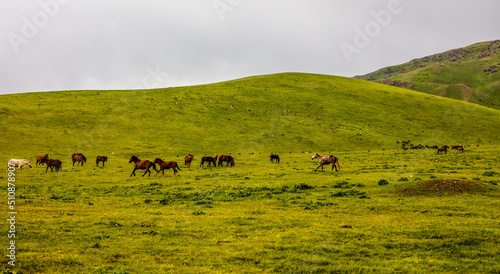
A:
x: 19, y: 163
x: 325, y: 160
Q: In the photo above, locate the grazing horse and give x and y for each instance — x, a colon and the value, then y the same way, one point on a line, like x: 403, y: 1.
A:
x: 210, y: 160
x: 458, y: 148
x: 39, y: 159
x: 166, y: 165
x: 226, y: 158
x: 325, y: 160
x: 275, y: 158
x: 139, y: 164
x: 78, y: 157
x: 102, y: 159
x: 53, y: 163
x: 188, y: 159
x: 443, y: 149
x: 19, y: 163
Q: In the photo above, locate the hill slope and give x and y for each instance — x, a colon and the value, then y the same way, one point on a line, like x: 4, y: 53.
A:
x: 469, y: 74
x: 273, y: 113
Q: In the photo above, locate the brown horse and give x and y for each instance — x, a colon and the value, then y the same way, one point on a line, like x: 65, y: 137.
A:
x: 139, y: 164
x: 53, y: 163
x: 443, y: 149
x: 40, y: 159
x: 78, y: 157
x: 210, y: 160
x: 325, y: 160
x: 102, y: 159
x: 166, y: 165
x: 188, y: 160
x: 226, y: 158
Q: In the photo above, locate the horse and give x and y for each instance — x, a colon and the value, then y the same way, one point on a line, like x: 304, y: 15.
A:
x: 78, y: 157
x: 53, y: 163
x: 325, y: 160
x: 39, y: 159
x: 19, y: 163
x: 102, y: 159
x: 458, y: 148
x: 139, y: 164
x: 188, y: 159
x: 275, y: 158
x: 443, y: 149
x: 166, y: 165
x: 209, y: 159
x: 226, y: 158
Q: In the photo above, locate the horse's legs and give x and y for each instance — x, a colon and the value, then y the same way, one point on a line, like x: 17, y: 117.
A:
x: 133, y: 172
x: 158, y: 171
x: 321, y: 165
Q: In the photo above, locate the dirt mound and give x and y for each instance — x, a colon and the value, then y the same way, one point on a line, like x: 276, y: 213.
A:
x: 444, y: 187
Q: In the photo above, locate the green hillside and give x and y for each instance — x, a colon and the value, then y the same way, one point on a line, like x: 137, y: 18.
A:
x: 386, y: 210
x: 469, y: 74
x: 278, y: 113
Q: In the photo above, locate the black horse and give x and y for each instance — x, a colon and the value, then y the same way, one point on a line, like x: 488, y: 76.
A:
x: 210, y: 160
x: 275, y: 158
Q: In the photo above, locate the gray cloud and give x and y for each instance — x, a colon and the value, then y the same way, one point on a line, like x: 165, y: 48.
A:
x: 124, y: 44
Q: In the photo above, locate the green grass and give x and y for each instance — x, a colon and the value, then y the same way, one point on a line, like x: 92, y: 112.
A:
x: 264, y: 217
x: 257, y: 216
x: 468, y: 74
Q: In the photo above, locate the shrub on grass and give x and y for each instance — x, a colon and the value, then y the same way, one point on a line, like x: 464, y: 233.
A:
x: 383, y: 182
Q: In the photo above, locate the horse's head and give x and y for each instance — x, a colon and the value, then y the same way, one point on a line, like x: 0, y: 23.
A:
x: 314, y: 156
x: 29, y: 163
x: 133, y: 159
x: 157, y: 161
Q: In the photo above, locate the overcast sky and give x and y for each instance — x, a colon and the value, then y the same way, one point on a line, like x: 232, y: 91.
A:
x: 50, y: 45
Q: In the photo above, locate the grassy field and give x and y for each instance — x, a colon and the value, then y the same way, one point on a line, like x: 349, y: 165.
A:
x: 387, y: 210
x: 265, y: 217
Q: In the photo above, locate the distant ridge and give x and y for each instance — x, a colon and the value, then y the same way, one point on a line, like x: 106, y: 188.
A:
x: 469, y: 74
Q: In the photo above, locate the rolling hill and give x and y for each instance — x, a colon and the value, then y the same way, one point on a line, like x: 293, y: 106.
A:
x: 280, y: 113
x: 469, y: 74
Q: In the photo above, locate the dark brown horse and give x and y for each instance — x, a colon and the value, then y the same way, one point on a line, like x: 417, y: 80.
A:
x: 325, y: 160
x: 275, y: 158
x: 53, y: 163
x: 458, y: 148
x: 443, y: 149
x: 41, y: 159
x: 226, y: 158
x: 139, y: 164
x: 166, y: 165
x: 209, y: 159
x: 102, y: 159
x: 188, y: 159
x: 78, y: 157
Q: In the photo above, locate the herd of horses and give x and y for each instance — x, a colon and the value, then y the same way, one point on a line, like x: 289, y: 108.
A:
x: 80, y: 159
x: 443, y: 149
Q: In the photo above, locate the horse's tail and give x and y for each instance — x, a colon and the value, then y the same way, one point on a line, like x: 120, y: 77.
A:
x: 338, y: 163
x: 177, y: 166
x: 154, y: 166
